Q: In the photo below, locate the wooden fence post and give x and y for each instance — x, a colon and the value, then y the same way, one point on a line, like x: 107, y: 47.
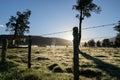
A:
x: 75, y: 55
x: 4, y: 49
x: 29, y: 51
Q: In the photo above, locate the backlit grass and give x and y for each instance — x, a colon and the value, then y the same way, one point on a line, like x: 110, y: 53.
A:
x: 54, y: 63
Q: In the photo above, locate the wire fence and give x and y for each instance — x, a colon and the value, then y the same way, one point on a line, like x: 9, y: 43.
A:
x: 87, y: 28
x: 60, y: 35
x: 106, y: 25
x: 54, y: 53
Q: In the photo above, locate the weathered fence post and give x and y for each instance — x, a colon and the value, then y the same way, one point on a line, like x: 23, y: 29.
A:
x: 4, y: 49
x: 75, y: 55
x: 29, y: 52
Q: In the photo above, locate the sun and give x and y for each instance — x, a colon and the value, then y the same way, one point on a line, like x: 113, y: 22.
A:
x: 69, y: 37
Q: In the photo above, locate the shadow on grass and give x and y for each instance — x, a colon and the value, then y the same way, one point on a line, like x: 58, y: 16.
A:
x: 55, y: 68
x: 110, y: 69
x: 91, y: 74
x: 6, y: 66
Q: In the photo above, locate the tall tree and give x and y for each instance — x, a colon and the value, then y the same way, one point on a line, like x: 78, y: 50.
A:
x: 98, y: 43
x: 117, y: 27
x: 85, y: 7
x: 106, y: 43
x: 91, y: 43
x: 19, y: 24
x: 85, y: 44
x: 117, y: 40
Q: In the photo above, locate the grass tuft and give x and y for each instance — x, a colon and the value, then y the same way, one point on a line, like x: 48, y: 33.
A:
x: 4, y: 67
x: 69, y: 70
x: 58, y: 69
x: 31, y: 77
x: 51, y: 67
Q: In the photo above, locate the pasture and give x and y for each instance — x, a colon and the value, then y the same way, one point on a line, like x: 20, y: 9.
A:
x: 55, y: 63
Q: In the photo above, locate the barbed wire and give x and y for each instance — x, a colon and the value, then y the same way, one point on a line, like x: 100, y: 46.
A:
x: 99, y: 26
x: 82, y: 29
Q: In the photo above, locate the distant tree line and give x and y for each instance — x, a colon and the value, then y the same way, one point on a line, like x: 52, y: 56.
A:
x: 106, y: 42
x: 103, y: 43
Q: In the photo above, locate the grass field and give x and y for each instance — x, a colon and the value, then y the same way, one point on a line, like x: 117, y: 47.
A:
x: 56, y: 64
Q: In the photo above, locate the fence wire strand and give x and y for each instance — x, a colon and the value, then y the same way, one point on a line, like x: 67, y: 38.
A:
x: 82, y: 29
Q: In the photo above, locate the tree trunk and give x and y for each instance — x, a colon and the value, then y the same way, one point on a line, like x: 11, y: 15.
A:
x: 15, y: 35
x: 16, y: 44
x: 80, y: 25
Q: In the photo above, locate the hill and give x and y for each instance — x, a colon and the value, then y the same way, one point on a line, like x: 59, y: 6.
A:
x: 41, y: 41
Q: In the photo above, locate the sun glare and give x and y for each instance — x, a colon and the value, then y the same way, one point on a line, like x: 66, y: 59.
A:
x: 69, y: 37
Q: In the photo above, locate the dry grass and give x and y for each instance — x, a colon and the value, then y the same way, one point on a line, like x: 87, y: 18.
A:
x: 56, y: 64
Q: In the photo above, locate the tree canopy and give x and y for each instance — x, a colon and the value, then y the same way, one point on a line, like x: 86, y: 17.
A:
x: 117, y: 27
x: 98, y: 43
x: 106, y: 43
x: 117, y: 39
x: 19, y: 24
x: 85, y: 7
x: 91, y: 43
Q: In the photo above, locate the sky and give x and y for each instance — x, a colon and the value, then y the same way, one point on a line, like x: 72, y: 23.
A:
x: 51, y: 16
